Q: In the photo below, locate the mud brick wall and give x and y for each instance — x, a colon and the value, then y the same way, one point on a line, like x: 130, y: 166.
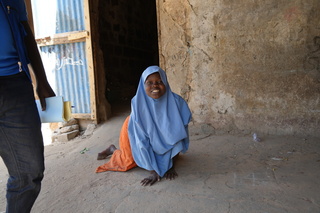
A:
x: 245, y: 66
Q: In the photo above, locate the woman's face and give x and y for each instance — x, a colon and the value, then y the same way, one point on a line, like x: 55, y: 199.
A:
x: 154, y: 86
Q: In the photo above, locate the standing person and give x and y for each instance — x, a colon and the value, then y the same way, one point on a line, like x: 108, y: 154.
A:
x: 21, y: 144
x: 155, y: 132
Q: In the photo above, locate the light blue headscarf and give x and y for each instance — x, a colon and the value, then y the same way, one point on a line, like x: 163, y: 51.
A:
x: 158, y: 128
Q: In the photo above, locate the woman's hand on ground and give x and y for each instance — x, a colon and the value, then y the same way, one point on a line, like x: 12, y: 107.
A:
x: 171, y: 174
x: 154, y: 177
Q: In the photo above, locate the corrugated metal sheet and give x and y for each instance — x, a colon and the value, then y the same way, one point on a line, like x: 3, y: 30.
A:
x: 69, y: 15
x: 65, y: 64
x: 57, y: 16
x: 70, y: 74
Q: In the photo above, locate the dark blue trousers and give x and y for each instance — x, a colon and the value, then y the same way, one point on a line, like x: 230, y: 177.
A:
x: 21, y: 144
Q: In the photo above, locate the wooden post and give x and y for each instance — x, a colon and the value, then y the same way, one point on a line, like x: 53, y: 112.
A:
x: 91, y: 70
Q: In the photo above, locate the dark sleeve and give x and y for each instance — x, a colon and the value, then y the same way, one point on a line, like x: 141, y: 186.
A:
x: 21, y: 7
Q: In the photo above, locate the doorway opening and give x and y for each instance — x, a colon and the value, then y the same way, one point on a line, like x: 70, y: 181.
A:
x: 129, y: 42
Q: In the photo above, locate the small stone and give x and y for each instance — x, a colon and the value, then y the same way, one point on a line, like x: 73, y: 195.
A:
x: 69, y: 128
x: 90, y: 129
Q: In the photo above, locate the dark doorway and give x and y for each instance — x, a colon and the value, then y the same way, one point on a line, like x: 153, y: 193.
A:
x: 129, y: 41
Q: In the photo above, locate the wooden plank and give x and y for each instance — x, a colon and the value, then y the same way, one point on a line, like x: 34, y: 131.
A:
x: 79, y: 35
x: 81, y: 116
x: 63, y: 38
x: 91, y: 70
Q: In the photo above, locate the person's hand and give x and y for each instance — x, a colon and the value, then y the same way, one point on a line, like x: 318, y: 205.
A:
x: 171, y: 174
x: 44, y: 91
x: 154, y: 177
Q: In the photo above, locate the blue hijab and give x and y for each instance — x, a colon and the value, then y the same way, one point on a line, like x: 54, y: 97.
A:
x: 158, y: 128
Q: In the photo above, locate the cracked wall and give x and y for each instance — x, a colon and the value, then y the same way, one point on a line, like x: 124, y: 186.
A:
x: 247, y: 65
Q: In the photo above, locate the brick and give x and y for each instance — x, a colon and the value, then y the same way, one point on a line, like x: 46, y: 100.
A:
x: 65, y: 137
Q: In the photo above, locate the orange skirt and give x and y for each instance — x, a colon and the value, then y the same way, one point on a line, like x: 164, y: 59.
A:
x: 121, y: 159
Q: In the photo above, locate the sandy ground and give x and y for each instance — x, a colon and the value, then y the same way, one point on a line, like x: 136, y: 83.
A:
x: 220, y: 174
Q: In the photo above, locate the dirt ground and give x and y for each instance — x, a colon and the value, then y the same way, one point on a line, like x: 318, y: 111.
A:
x: 220, y: 173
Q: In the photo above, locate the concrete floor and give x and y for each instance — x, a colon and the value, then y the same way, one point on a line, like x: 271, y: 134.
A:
x: 219, y: 173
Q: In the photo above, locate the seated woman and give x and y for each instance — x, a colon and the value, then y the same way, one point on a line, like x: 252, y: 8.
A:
x: 155, y: 132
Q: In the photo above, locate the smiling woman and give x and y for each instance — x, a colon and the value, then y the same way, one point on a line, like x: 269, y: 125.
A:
x: 155, y: 132
x: 154, y: 86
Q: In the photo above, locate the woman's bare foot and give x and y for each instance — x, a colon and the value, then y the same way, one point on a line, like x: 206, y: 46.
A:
x: 107, y: 152
x: 154, y: 177
x: 171, y: 174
